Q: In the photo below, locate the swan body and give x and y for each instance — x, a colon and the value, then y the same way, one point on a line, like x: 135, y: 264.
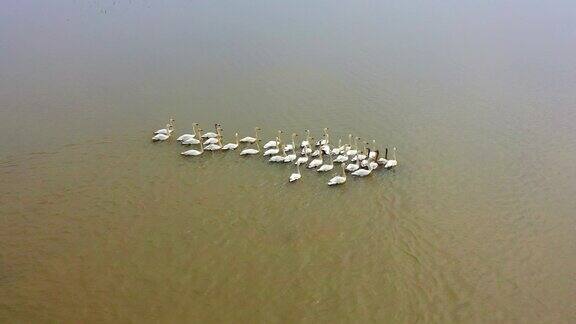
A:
x: 276, y: 158
x: 270, y: 144
x: 249, y: 151
x: 209, y: 135
x: 184, y: 137
x: 341, y: 158
x: 213, y: 147
x: 302, y: 160
x: 338, y: 179
x: 325, y: 167
x: 326, y: 149
x: 362, y: 172
x: 191, y: 153
x: 160, y: 137
x: 295, y: 176
x: 211, y: 140
x: 352, y: 167
x: 191, y: 141
x: 290, y: 158
x: 315, y: 163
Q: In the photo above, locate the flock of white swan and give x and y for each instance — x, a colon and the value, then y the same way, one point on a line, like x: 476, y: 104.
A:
x: 358, y: 162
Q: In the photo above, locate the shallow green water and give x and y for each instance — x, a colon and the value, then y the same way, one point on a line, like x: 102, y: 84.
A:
x: 98, y: 224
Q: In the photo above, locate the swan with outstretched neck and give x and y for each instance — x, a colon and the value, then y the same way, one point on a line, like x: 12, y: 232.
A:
x: 273, y: 143
x: 303, y: 159
x: 291, y: 157
x: 249, y: 139
x: 327, y: 167
x: 274, y: 150
x: 184, y: 137
x: 251, y: 151
x: 231, y: 146
x: 160, y: 137
x: 338, y: 179
x: 297, y: 175
x: 211, y: 134
x: 316, y: 162
x: 166, y: 131
x: 194, y: 152
x: 392, y: 162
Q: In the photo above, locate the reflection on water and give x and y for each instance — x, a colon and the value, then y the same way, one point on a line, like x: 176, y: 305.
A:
x: 98, y: 224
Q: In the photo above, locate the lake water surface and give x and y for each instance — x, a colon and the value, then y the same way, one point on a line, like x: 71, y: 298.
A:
x: 476, y: 224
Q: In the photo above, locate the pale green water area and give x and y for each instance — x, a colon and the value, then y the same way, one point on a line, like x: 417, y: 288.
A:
x: 100, y: 225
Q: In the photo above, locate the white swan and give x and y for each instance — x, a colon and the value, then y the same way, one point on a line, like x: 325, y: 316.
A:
x: 215, y: 147
x: 273, y: 143
x: 316, y: 162
x: 217, y: 139
x: 326, y: 139
x: 297, y: 175
x: 338, y: 149
x: 194, y: 152
x: 249, y: 139
x: 326, y: 167
x: 338, y: 179
x: 306, y: 142
x: 392, y: 162
x: 341, y: 158
x: 211, y: 134
x: 274, y: 150
x: 291, y: 157
x: 289, y: 147
x: 384, y: 159
x: 184, y: 137
x: 373, y: 164
x: 302, y: 159
x: 166, y: 130
x: 372, y: 153
x: 251, y: 151
x: 161, y: 136
x: 279, y: 158
x: 231, y: 146
x: 192, y: 140
x: 354, y: 151
x: 353, y: 166
x: 362, y: 172
x: 361, y: 156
